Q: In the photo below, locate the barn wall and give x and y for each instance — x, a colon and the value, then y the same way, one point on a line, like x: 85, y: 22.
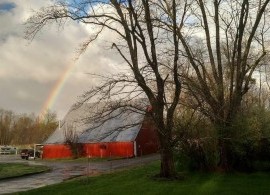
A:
x: 56, y: 151
x: 109, y: 149
x: 147, y: 139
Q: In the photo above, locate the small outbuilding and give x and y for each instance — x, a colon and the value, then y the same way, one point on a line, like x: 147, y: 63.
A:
x: 121, y: 133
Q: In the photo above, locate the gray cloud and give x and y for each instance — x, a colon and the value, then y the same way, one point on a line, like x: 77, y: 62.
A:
x: 28, y: 71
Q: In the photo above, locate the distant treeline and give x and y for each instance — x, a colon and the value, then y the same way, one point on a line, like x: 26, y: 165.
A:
x: 20, y: 129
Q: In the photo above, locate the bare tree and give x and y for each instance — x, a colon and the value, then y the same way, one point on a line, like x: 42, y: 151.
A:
x: 148, y: 48
x: 45, y: 126
x: 25, y: 128
x: 6, y: 124
x: 71, y: 139
x: 225, y: 42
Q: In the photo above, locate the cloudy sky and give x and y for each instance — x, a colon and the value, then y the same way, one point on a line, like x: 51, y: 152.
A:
x: 29, y: 71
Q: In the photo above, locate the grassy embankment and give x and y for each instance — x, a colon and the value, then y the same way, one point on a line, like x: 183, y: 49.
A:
x: 141, y: 181
x: 8, y: 170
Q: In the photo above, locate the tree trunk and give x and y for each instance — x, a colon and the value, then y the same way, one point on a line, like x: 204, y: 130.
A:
x: 224, y: 163
x: 224, y: 132
x: 167, y: 169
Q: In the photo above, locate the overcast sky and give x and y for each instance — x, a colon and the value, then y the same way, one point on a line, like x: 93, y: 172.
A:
x: 29, y: 71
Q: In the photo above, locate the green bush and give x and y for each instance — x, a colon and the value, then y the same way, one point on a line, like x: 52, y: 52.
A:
x: 248, y: 143
x: 197, y: 155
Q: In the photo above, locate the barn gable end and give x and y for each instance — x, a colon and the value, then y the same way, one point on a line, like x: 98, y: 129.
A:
x: 147, y: 139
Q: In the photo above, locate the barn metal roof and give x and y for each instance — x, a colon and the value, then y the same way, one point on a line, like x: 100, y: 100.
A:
x: 119, y: 125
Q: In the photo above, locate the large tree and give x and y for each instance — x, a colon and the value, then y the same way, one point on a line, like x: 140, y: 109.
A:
x: 148, y: 47
x: 225, y: 42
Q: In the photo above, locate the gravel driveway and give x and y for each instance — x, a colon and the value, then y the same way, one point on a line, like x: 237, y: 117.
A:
x: 63, y: 170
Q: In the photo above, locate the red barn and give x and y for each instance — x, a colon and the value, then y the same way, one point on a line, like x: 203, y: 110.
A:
x: 124, y: 133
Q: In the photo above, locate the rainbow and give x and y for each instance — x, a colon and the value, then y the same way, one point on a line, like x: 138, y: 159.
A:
x: 56, y: 89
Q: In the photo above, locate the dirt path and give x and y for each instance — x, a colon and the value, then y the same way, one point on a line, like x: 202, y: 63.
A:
x: 63, y: 170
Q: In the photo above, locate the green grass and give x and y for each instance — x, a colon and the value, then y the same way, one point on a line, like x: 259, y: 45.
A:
x: 141, y: 181
x: 8, y: 170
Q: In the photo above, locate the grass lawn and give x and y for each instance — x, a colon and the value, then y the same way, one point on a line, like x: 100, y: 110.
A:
x: 140, y: 181
x: 8, y: 170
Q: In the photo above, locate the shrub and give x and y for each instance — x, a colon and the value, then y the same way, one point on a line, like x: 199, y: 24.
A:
x: 248, y: 143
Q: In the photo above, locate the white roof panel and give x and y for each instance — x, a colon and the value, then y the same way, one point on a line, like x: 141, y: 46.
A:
x: 119, y: 125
